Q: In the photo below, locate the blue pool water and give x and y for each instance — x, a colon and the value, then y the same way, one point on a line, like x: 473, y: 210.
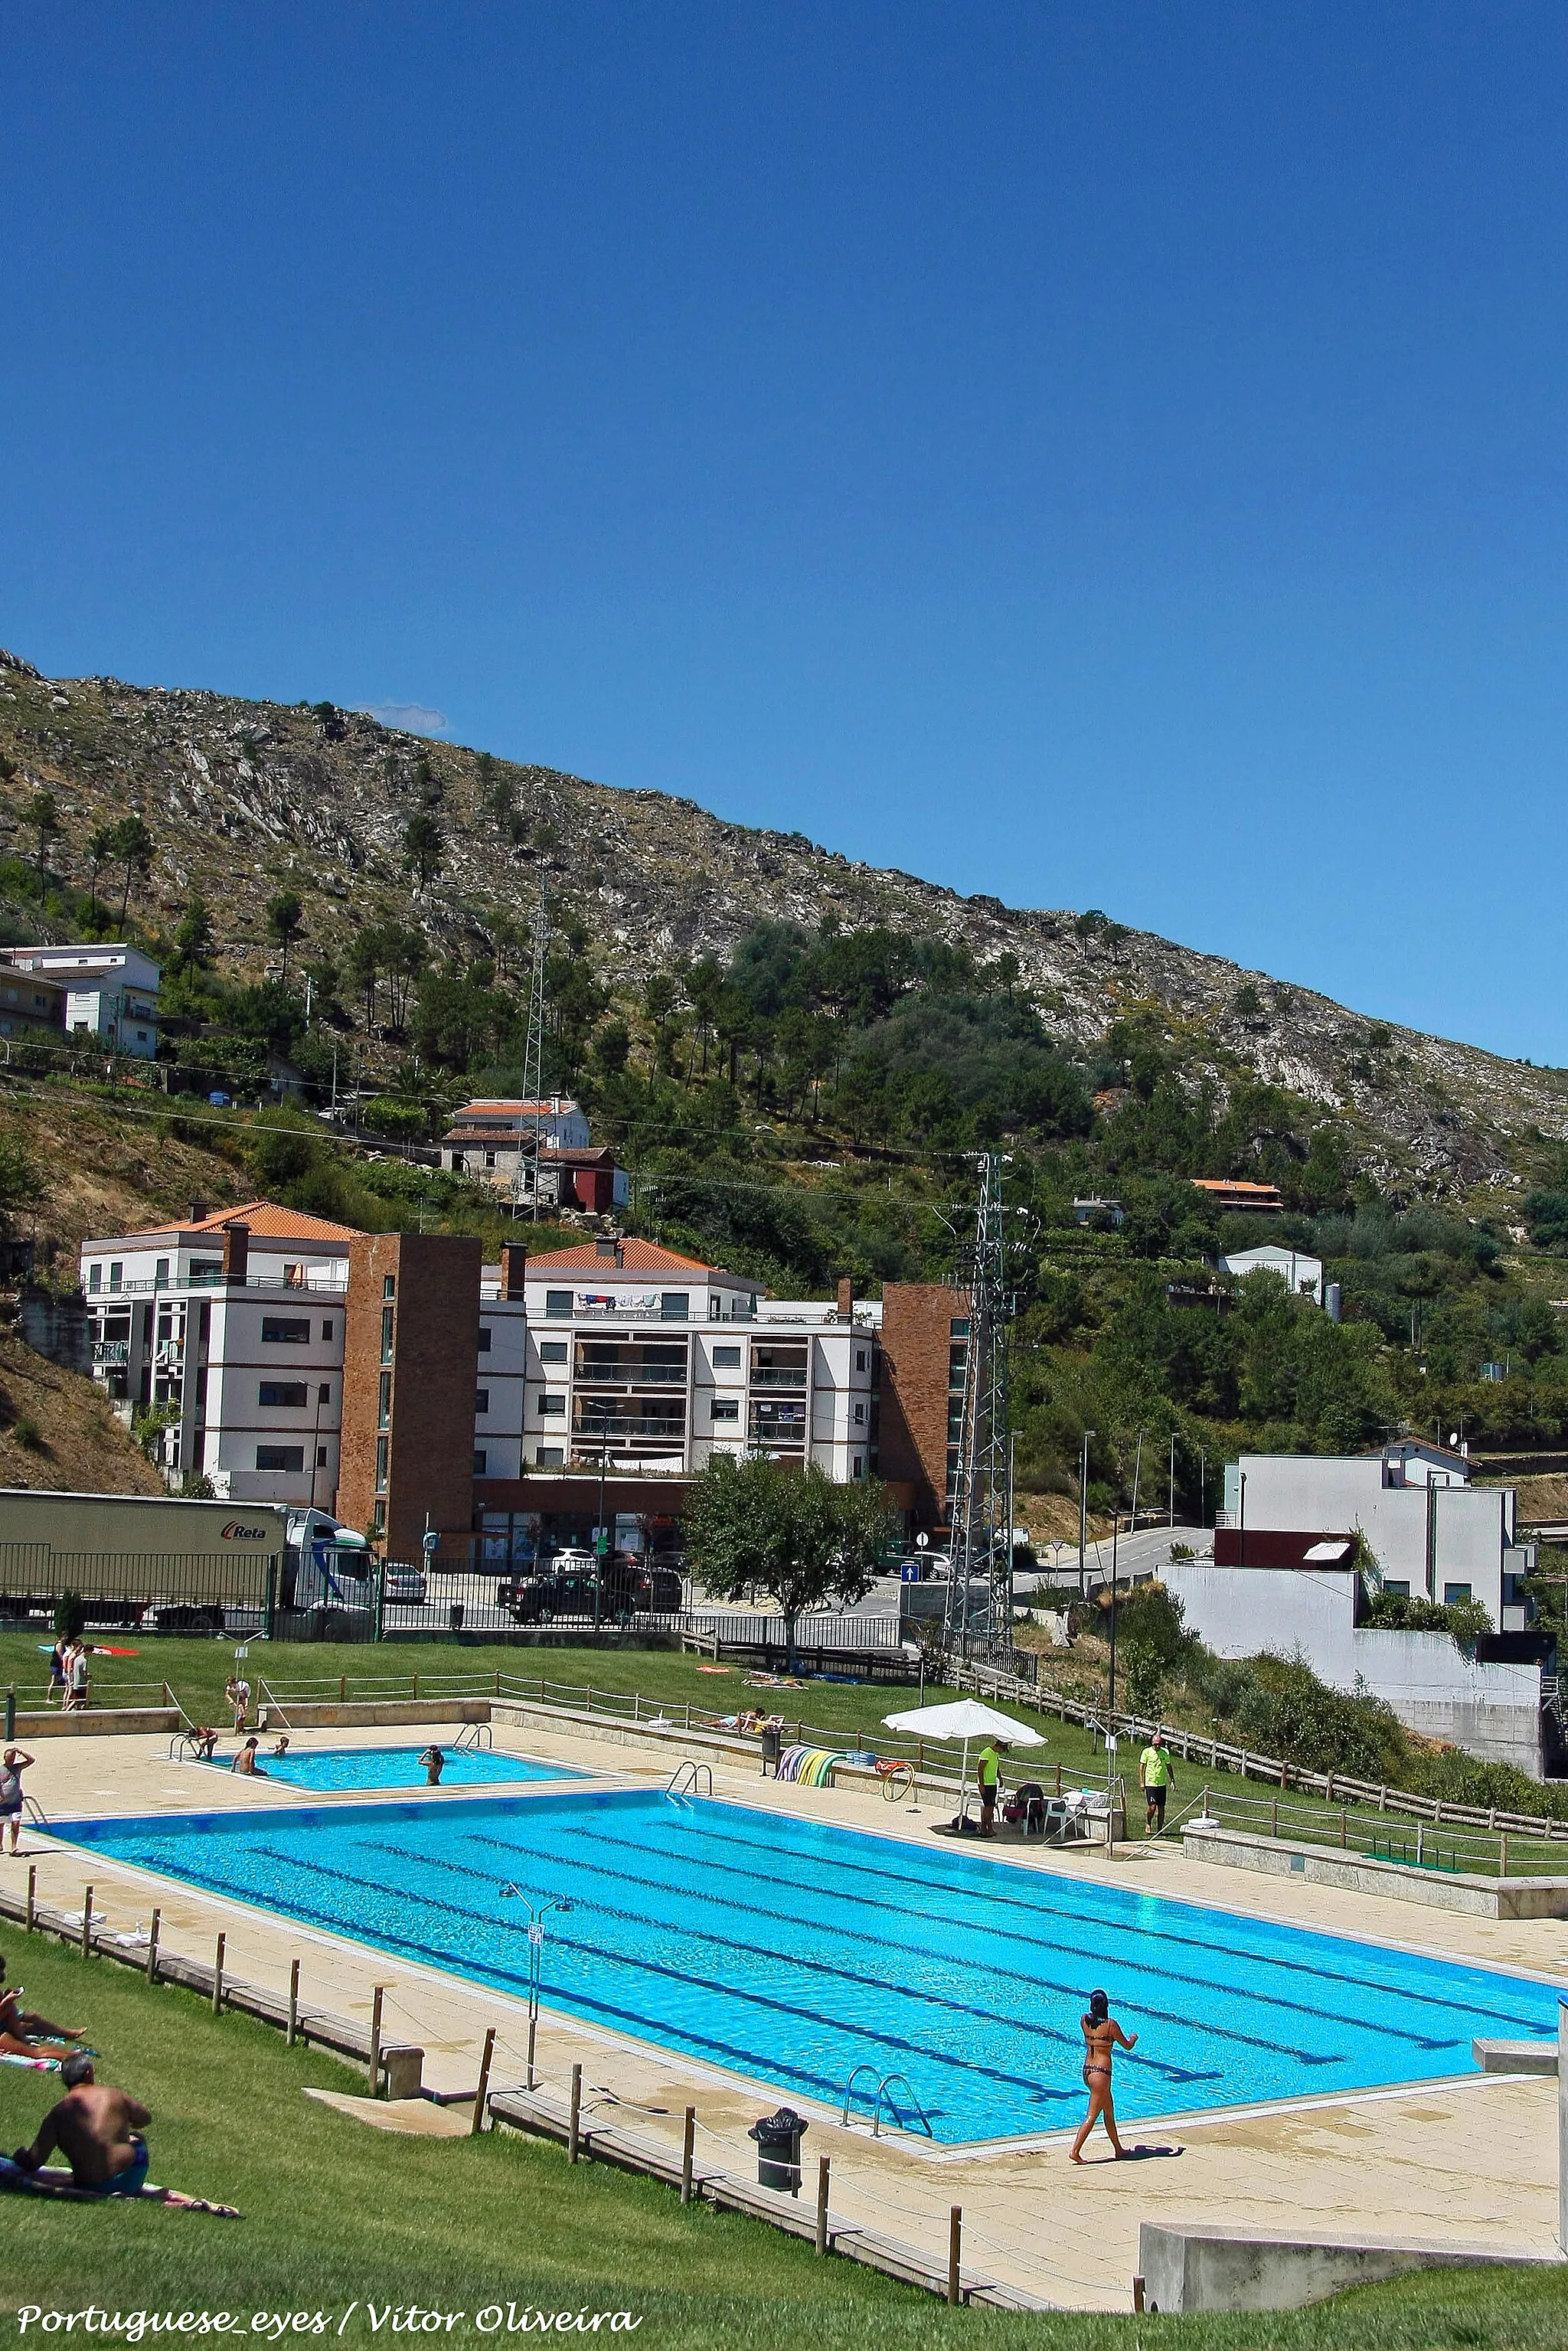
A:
x: 794, y: 1951
x: 399, y: 1767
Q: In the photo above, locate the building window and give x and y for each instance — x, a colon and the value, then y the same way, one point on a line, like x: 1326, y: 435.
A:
x: 382, y: 1449
x: 486, y: 1336
x: 378, y: 1526
x: 1455, y: 1592
x: 278, y: 1331
x: 383, y: 1402
x: 549, y: 1457
x: 489, y: 1159
x: 161, y: 1274
x: 289, y: 1392
x: 480, y: 1457
x: 116, y: 1273
x: 280, y: 1456
x: 481, y: 1401
x: 552, y: 1350
x: 320, y: 1457
x: 324, y: 1392
x: 726, y: 1359
x: 557, y: 1301
x: 389, y: 1285
x: 857, y: 1464
x: 861, y: 1359
x: 860, y: 1413
x: 958, y: 1328
x: 387, y: 1312
x: 672, y: 1305
x: 326, y: 1330
x: 204, y: 1319
x: 95, y: 1278
x: 552, y: 1407
x: 727, y: 1408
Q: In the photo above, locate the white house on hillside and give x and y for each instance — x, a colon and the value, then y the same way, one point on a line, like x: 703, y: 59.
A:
x: 111, y: 992
x: 1302, y: 1275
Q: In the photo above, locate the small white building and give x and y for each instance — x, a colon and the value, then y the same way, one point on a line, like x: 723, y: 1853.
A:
x: 1434, y: 1535
x: 1302, y: 1275
x: 111, y: 992
x: 493, y: 1139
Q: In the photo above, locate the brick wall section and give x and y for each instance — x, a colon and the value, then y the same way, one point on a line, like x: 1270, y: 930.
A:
x: 916, y: 1320
x: 436, y: 1357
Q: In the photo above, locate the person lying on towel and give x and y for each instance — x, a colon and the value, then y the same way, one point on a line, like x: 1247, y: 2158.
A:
x: 24, y: 2033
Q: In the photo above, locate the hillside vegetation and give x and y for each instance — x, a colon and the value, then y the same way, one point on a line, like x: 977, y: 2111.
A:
x: 797, y: 1057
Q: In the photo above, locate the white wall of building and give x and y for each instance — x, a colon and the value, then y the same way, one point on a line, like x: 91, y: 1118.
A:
x: 1491, y: 1710
x: 1302, y: 1275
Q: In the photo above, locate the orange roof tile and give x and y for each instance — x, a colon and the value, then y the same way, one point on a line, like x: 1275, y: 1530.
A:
x: 267, y: 1220
x: 636, y: 1257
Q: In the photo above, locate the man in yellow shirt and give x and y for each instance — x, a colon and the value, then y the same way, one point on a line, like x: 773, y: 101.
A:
x: 1155, y: 1778
x: 991, y: 1784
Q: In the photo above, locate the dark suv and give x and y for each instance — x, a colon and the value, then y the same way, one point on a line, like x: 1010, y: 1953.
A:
x: 625, y: 1589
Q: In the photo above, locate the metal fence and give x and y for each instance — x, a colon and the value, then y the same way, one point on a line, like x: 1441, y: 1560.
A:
x: 148, y: 1591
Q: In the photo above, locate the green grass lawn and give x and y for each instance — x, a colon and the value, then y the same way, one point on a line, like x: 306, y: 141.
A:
x: 336, y: 2213
x: 195, y: 1670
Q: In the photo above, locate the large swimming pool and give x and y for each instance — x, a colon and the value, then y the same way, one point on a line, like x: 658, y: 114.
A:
x: 399, y: 1767
x: 793, y: 1952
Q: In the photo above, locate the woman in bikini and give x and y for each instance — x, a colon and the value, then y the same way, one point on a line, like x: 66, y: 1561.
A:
x: 1101, y: 2036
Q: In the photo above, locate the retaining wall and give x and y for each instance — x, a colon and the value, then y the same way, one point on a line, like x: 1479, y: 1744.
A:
x: 1238, y: 2269
x: 1358, y: 1872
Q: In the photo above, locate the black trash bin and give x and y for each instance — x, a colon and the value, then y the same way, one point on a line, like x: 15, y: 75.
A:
x: 779, y: 2140
x: 772, y: 1748
x: 455, y: 1616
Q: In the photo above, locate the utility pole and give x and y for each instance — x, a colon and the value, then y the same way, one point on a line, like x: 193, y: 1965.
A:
x: 980, y: 1505
x: 1172, y: 1513
x: 1083, y: 1510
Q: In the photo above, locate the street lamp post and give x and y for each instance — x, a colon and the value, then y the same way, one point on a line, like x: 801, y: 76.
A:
x: 600, y: 1538
x: 1084, y: 1512
x: 538, y: 1913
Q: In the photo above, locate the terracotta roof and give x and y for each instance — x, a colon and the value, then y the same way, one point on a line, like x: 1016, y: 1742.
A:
x: 267, y: 1220
x: 1235, y: 1184
x: 636, y: 1257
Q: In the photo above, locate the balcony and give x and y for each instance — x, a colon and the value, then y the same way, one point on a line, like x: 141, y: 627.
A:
x: 111, y: 1350
x: 779, y: 1376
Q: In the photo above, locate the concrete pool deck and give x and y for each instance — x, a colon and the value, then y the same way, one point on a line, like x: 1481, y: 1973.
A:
x: 1472, y: 2161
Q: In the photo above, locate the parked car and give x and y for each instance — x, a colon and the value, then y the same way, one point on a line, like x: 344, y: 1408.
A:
x: 403, y: 1583
x: 625, y: 1589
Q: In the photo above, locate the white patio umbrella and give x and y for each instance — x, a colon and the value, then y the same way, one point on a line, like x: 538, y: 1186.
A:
x: 964, y: 1719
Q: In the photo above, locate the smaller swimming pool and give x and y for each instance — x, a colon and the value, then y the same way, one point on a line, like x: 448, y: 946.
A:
x: 399, y: 1767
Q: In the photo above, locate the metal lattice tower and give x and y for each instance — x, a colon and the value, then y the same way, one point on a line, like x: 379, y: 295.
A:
x: 980, y: 1502
x: 533, y: 1059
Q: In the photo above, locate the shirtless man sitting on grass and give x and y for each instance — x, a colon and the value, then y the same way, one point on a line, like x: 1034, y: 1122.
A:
x: 98, y: 2129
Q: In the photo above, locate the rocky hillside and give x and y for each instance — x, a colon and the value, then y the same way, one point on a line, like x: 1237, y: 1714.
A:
x: 246, y: 798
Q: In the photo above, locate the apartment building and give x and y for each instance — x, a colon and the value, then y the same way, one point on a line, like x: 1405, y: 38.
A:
x: 234, y: 1324
x: 396, y: 1380
x: 110, y: 991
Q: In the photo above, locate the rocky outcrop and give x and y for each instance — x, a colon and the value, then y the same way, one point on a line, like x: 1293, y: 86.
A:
x: 245, y: 799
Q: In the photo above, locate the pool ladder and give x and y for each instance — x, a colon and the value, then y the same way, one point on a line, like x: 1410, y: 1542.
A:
x: 472, y: 1735
x: 681, y: 1785
x: 885, y: 2089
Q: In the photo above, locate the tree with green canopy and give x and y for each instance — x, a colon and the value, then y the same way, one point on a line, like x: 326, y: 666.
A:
x: 794, y: 1535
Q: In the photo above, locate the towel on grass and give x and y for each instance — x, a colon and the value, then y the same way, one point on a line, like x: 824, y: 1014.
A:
x: 16, y: 2182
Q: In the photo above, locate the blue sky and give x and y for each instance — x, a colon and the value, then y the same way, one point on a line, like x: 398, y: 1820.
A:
x: 1104, y: 455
